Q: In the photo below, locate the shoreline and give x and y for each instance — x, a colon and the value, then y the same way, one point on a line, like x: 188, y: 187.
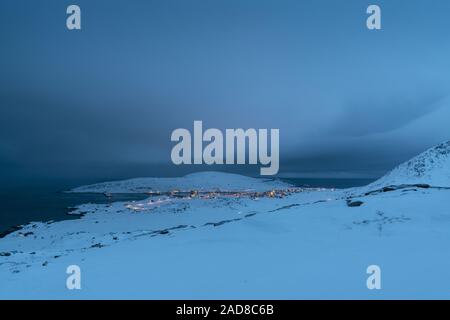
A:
x: 62, y: 212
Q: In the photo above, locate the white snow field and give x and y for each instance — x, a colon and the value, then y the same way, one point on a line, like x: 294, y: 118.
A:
x: 269, y: 241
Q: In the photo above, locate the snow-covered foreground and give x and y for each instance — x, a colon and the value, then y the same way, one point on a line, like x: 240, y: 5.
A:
x: 275, y: 242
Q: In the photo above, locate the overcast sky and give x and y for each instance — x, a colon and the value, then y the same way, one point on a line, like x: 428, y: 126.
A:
x: 102, y: 102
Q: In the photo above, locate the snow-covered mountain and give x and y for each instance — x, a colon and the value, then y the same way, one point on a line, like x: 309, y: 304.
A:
x: 431, y: 167
x: 201, y: 181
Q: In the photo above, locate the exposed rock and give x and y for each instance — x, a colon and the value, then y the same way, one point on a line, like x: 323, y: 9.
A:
x: 351, y: 203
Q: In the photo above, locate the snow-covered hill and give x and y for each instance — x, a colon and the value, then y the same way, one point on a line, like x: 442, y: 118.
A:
x: 300, y: 244
x: 431, y: 167
x: 202, y: 181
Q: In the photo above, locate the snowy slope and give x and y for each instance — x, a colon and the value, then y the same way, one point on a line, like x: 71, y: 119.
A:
x: 203, y: 181
x: 300, y: 244
x: 306, y: 245
x: 431, y: 167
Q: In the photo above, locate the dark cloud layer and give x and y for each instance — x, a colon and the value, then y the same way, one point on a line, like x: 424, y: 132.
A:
x: 101, y: 103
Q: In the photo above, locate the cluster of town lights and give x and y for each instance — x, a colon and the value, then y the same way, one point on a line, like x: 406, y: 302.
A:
x: 170, y: 196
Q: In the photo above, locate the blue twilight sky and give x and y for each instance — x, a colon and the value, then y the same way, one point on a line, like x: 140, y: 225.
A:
x: 102, y: 102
